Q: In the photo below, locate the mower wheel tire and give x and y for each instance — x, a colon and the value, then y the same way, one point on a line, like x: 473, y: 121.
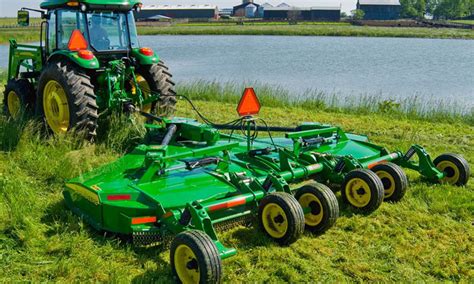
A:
x: 194, y: 258
x: 455, y: 167
x: 281, y: 217
x: 320, y: 206
x: 394, y: 180
x: 19, y: 98
x: 156, y: 78
x: 363, y: 190
x: 66, y: 100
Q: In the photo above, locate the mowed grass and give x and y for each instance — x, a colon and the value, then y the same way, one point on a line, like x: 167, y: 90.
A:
x: 427, y: 237
x: 307, y: 30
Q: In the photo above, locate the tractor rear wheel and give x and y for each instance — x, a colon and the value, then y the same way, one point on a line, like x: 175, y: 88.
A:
x: 455, y: 167
x: 156, y: 79
x: 281, y: 217
x: 394, y: 180
x: 66, y: 100
x: 19, y: 98
x: 194, y: 258
x: 363, y: 190
x: 320, y: 206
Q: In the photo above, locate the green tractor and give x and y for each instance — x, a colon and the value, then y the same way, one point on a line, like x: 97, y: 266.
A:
x: 88, y: 64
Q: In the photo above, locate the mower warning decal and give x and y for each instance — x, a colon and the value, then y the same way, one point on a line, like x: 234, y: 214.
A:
x: 84, y: 192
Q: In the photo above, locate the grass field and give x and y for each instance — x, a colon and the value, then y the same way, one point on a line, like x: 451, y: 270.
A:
x: 427, y: 237
x: 307, y: 30
x: 272, y: 28
x: 467, y: 22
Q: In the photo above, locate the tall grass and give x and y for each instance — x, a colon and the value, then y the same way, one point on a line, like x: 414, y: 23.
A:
x: 415, y: 107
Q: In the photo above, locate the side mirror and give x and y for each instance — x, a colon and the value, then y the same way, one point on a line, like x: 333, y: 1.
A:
x: 23, y: 18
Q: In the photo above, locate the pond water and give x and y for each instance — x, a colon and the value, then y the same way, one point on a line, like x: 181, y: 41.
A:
x: 391, y: 67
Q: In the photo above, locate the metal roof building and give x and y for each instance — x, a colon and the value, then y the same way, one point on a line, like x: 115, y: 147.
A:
x: 178, y: 12
x: 324, y: 13
x: 380, y: 9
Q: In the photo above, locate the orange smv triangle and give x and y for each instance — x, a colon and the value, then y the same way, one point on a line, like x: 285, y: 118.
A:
x: 77, y: 41
x: 249, y: 104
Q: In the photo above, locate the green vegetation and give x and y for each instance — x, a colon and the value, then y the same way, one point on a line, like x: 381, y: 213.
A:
x: 427, y: 237
x: 307, y: 30
x: 30, y: 34
x: 467, y: 22
x: 449, y: 9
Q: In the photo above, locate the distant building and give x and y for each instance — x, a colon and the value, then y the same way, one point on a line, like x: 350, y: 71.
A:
x: 380, y: 9
x: 303, y: 13
x: 178, y: 12
x: 240, y: 10
x: 225, y: 12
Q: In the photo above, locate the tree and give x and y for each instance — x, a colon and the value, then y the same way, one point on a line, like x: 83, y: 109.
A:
x: 413, y: 8
x: 358, y: 14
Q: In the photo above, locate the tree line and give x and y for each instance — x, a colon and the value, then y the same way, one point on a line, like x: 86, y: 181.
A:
x: 439, y: 9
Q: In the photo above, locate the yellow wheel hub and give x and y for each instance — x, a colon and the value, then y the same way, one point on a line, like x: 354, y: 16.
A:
x: 145, y: 88
x: 388, y: 183
x: 56, y: 107
x: 186, y: 264
x: 451, y: 171
x: 358, y: 192
x: 274, y: 220
x: 13, y: 104
x: 315, y: 216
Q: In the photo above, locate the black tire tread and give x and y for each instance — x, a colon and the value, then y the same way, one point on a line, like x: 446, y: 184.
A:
x: 294, y: 212
x: 160, y: 81
x: 465, y: 169
x: 375, y: 185
x: 330, y: 205
x: 24, y: 89
x: 401, y: 180
x: 81, y: 97
x: 206, y: 252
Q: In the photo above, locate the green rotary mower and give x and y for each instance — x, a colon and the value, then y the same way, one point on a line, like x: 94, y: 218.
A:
x: 189, y: 179
x: 88, y: 64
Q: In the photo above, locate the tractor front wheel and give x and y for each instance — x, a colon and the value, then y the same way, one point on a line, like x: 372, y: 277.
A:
x: 194, y: 258
x: 66, y: 100
x: 281, y: 217
x: 18, y: 98
x: 363, y: 190
x: 455, y: 168
x: 320, y: 206
x: 156, y: 79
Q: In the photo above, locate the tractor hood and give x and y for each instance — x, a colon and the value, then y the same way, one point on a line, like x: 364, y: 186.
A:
x: 92, y: 4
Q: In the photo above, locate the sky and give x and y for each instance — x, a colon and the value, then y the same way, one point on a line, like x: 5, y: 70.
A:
x: 8, y: 8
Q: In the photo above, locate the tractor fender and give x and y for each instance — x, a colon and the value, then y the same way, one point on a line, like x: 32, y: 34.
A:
x: 63, y: 55
x: 145, y: 59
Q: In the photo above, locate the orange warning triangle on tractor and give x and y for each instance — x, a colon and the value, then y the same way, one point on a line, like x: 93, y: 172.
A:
x: 77, y: 41
x: 249, y: 104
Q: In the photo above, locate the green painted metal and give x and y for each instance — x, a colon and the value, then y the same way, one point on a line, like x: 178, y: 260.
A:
x: 158, y: 180
x: 113, y: 4
x: 112, y: 72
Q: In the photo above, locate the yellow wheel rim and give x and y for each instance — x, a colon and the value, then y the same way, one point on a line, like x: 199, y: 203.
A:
x: 274, y: 220
x: 186, y: 264
x: 388, y: 183
x: 315, y: 216
x: 13, y: 104
x: 145, y: 88
x: 358, y: 192
x: 451, y: 171
x: 56, y: 107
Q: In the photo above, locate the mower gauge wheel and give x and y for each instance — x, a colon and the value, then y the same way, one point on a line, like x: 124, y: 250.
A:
x: 194, y: 258
x: 281, y: 217
x: 455, y: 168
x: 363, y: 190
x: 320, y: 206
x: 394, y: 181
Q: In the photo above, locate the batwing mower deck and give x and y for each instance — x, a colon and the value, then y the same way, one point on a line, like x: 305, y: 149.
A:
x: 188, y: 178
